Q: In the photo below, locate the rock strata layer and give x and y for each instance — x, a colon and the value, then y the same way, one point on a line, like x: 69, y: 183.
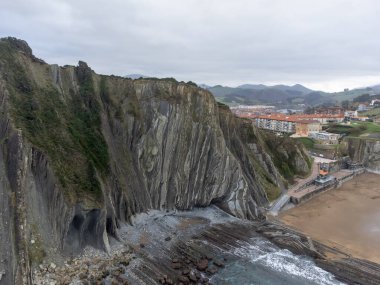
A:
x: 82, y: 153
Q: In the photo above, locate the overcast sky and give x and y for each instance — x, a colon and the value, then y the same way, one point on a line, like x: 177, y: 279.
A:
x: 326, y: 44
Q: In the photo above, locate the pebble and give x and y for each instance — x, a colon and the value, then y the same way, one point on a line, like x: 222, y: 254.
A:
x: 90, y: 268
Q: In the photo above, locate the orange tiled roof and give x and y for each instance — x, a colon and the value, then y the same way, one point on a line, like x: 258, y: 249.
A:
x: 293, y: 118
x: 307, y: 121
x: 319, y: 116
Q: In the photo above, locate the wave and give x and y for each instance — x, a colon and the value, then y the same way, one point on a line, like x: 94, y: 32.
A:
x: 262, y: 252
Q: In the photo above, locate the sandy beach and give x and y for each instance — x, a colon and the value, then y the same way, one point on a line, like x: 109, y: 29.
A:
x: 347, y: 218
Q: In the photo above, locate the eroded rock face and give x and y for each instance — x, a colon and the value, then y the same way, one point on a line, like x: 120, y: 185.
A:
x: 365, y: 151
x: 82, y: 152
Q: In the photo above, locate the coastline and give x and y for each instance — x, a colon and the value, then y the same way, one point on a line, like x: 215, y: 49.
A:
x: 203, y: 244
x: 346, y: 218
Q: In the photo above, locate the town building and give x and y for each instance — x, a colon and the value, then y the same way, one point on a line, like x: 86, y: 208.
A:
x: 324, y: 178
x: 323, y: 119
x: 375, y: 103
x: 354, y: 116
x: 329, y: 110
x: 288, y: 123
x: 350, y: 114
x: 360, y: 118
x: 276, y: 123
x: 249, y: 110
x: 362, y: 108
x: 305, y: 127
x: 325, y: 137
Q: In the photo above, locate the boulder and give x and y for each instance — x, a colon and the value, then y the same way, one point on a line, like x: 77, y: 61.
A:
x: 202, y: 264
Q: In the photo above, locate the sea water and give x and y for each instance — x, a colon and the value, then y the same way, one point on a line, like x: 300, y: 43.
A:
x: 261, y: 262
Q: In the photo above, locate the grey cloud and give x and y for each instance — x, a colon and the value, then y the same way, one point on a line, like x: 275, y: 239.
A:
x: 226, y: 42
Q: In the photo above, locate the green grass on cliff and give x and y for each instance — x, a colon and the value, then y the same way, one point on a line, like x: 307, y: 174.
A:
x: 286, y: 163
x: 68, y: 131
x: 307, y: 142
x: 68, y: 135
x: 248, y: 135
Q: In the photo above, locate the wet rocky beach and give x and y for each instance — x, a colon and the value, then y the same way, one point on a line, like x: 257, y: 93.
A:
x: 202, y: 247
x: 208, y: 246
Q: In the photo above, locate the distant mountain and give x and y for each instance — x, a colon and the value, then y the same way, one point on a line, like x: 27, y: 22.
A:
x: 136, y: 76
x: 253, y: 86
x: 376, y: 88
x: 251, y: 94
x: 296, y: 87
x: 283, y: 95
x: 204, y: 86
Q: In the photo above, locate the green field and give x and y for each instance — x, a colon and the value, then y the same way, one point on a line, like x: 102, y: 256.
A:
x: 374, y: 113
x: 355, y: 129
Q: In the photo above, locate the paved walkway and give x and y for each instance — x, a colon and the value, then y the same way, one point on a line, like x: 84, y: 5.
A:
x: 285, y: 197
x: 279, y: 204
x: 314, y: 172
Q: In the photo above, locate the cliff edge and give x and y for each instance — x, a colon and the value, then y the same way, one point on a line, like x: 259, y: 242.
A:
x: 365, y: 151
x: 82, y: 153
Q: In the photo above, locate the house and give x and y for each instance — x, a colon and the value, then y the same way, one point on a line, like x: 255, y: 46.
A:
x: 375, y: 103
x: 322, y: 118
x: 325, y: 137
x: 305, y: 127
x: 287, y: 123
x: 350, y: 114
x: 362, y: 108
x: 329, y: 111
x: 276, y: 123
x: 360, y: 118
x: 281, y: 123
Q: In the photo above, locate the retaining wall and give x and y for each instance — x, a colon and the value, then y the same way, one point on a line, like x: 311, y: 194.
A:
x: 336, y: 184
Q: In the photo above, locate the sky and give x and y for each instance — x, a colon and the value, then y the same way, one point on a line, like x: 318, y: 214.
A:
x: 325, y: 45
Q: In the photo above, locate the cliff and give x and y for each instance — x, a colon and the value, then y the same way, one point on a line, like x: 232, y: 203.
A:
x: 288, y: 155
x: 82, y: 153
x: 364, y: 151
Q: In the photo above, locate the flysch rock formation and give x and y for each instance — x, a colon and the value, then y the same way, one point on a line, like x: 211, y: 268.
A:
x: 81, y: 153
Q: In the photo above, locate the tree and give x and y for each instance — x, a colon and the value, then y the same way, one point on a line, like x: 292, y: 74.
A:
x: 345, y: 104
x: 309, y: 110
x: 362, y: 98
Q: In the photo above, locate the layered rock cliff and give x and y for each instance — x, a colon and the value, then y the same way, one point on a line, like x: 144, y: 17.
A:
x: 82, y: 153
x: 364, y: 151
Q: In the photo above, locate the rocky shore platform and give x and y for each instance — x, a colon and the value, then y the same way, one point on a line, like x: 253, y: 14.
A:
x: 192, y: 248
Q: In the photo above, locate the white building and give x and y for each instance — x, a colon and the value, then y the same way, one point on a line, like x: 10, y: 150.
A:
x: 362, y: 108
x: 325, y: 137
x: 276, y: 124
x: 350, y: 114
x: 375, y: 102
